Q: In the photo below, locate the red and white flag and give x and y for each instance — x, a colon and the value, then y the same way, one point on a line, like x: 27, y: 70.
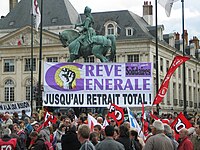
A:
x: 92, y: 122
x: 105, y: 123
x: 117, y: 113
x: 49, y: 118
x: 36, y: 13
x: 167, y: 4
x: 178, y: 60
x: 179, y: 123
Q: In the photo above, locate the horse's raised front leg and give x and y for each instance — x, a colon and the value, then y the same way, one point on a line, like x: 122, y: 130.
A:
x: 97, y: 51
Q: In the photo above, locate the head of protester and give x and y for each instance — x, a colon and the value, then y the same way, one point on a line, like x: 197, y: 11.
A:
x: 159, y: 140
x: 83, y: 137
x: 38, y: 141
x: 185, y: 142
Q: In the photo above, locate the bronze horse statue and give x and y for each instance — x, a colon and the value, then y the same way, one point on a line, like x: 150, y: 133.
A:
x: 99, y: 45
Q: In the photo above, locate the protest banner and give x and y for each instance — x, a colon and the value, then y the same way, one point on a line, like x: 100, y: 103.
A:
x: 16, y: 107
x: 97, y: 84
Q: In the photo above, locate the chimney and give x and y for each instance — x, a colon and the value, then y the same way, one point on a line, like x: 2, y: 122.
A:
x: 195, y: 40
x: 148, y: 12
x: 177, y: 36
x: 186, y: 37
x: 13, y: 3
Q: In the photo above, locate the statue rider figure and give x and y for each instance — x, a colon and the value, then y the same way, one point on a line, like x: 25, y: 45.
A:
x: 86, y: 32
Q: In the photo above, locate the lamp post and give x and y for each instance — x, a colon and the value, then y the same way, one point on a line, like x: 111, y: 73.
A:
x: 157, y: 72
x: 184, y: 77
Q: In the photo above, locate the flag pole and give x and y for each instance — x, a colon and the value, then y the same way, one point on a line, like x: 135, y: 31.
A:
x: 157, y: 72
x: 40, y: 60
x: 184, y: 77
x: 31, y: 94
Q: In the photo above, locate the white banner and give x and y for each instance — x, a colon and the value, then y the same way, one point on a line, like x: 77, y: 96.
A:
x: 16, y: 107
x: 97, y: 84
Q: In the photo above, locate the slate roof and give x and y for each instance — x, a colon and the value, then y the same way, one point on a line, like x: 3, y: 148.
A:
x: 123, y: 18
x: 55, y: 13
x: 61, y: 12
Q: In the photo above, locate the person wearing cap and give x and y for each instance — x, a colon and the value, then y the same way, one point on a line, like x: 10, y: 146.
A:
x: 8, y: 143
x: 185, y: 143
x: 35, y: 125
x: 168, y: 132
x: 196, y: 137
x: 159, y: 141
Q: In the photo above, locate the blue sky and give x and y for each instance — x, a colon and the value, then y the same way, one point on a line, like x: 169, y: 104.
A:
x: 171, y: 24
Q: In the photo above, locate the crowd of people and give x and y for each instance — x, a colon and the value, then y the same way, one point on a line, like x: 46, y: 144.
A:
x: 71, y: 133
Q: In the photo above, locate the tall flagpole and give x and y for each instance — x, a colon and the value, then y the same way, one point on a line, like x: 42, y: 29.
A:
x: 40, y: 59
x: 31, y: 93
x: 184, y: 80
x: 157, y: 72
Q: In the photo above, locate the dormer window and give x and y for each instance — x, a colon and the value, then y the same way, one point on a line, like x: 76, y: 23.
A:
x: 129, y: 31
x: 111, y: 27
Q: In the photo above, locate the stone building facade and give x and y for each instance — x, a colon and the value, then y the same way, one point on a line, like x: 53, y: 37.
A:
x: 135, y: 43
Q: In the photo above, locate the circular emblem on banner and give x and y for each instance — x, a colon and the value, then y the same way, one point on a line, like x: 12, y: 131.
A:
x: 63, y: 76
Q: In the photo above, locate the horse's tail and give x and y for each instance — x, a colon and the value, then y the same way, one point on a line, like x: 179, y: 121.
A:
x: 113, y: 46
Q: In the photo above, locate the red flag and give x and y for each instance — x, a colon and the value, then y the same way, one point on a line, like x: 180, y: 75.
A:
x: 179, y: 123
x: 154, y: 116
x: 178, y: 60
x: 48, y: 117
x: 117, y: 113
x: 19, y: 43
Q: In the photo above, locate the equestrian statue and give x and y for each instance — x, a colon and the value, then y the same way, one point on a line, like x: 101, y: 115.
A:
x: 85, y: 42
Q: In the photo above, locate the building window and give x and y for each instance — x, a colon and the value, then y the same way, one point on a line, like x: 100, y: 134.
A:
x: 28, y: 90
x: 174, y: 91
x: 129, y: 31
x: 180, y: 91
x: 161, y: 64
x: 194, y: 95
x: 194, y: 76
x: 133, y: 58
x: 9, y: 90
x: 179, y: 72
x: 89, y: 59
x: 198, y: 94
x: 198, y: 77
x: 189, y: 75
x: 28, y: 64
x: 52, y: 59
x: 154, y: 61
x: 167, y: 65
x: 190, y: 93
x: 9, y: 65
x: 110, y: 29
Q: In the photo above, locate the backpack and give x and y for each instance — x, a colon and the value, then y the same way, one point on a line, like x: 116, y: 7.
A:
x: 48, y: 145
